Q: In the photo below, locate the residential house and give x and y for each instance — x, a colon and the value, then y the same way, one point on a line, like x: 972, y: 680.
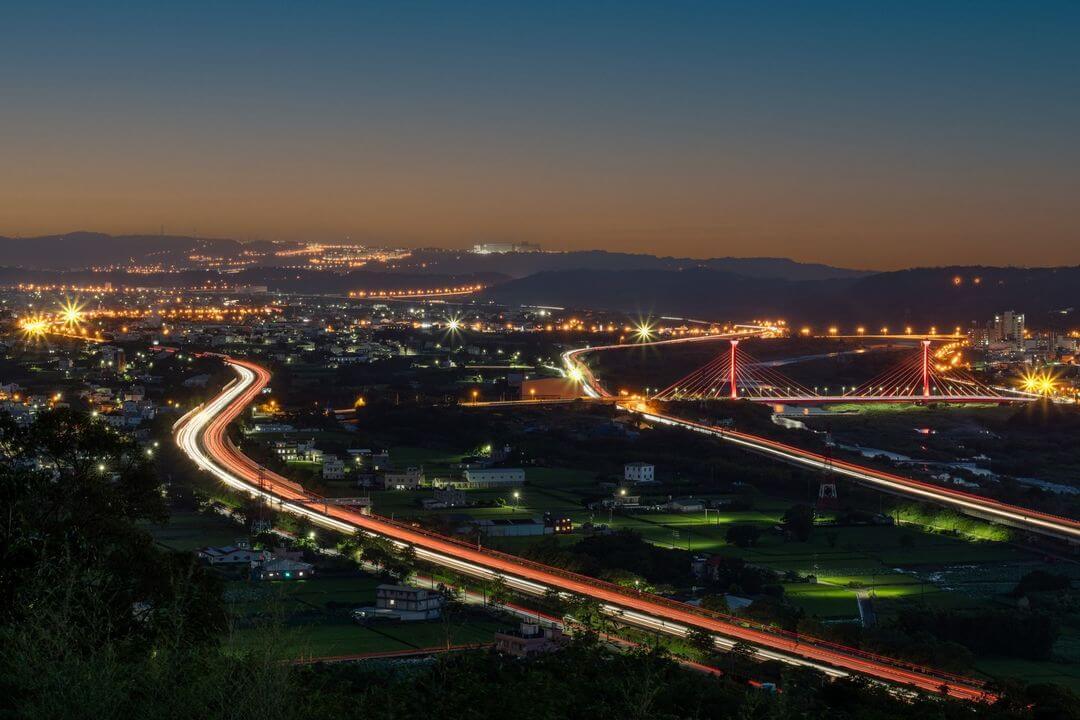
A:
x: 402, y: 602
x: 529, y: 640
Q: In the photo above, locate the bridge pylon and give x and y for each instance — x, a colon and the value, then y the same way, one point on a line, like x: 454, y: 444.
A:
x: 926, y: 368
x: 733, y: 377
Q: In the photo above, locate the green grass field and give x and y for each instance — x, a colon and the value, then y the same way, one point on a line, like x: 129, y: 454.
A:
x: 898, y: 565
x: 313, y: 618
x: 823, y: 601
x: 190, y: 530
x: 343, y: 637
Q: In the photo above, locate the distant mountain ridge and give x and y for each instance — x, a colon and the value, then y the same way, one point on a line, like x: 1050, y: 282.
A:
x: 524, y: 264
x: 946, y: 297
x: 302, y: 281
x: 84, y: 249
x: 712, y: 289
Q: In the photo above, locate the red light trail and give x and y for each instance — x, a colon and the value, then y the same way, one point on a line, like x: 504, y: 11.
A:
x: 202, y: 435
x: 987, y: 508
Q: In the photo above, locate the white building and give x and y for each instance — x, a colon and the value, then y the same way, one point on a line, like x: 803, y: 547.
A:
x: 401, y: 602
x: 684, y: 505
x: 286, y: 450
x: 333, y: 468
x: 446, y: 498
x: 639, y: 473
x: 270, y: 428
x: 232, y: 555
x: 410, y: 479
x: 494, y: 477
x: 529, y: 641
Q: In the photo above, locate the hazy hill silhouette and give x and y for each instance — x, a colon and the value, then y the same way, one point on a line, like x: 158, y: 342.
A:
x: 524, y: 264
x: 86, y: 249
x: 923, y: 296
x: 78, y: 250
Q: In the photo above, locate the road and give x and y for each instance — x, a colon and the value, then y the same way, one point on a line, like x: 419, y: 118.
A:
x: 202, y: 435
x: 1024, y: 518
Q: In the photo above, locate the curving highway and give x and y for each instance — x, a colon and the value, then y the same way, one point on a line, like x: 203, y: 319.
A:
x: 202, y: 435
x: 987, y: 508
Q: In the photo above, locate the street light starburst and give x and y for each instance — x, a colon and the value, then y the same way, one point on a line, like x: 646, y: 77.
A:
x: 1039, y: 383
x: 644, y: 331
x: 34, y: 327
x: 71, y: 312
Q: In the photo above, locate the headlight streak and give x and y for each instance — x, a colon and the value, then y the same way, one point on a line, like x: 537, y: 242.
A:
x: 201, y: 434
x: 1032, y: 520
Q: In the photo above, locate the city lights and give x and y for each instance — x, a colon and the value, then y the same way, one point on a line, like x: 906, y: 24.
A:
x: 542, y: 360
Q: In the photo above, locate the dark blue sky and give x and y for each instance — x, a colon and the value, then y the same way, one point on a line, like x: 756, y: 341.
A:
x: 870, y: 133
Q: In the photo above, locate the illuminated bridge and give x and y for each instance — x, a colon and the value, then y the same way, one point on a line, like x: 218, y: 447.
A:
x: 1029, y: 520
x: 736, y: 375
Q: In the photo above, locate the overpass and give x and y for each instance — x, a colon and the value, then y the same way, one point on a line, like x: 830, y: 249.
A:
x: 202, y: 435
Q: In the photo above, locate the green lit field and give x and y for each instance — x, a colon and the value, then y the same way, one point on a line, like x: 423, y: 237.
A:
x: 823, y: 601
x: 893, y: 563
x: 313, y: 618
x: 342, y: 637
x: 190, y: 530
x: 956, y: 567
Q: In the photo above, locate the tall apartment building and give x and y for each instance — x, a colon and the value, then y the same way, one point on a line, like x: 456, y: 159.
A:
x: 1008, y: 325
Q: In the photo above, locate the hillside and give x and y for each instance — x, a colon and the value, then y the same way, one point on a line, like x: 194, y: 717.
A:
x: 920, y: 296
x: 88, y: 249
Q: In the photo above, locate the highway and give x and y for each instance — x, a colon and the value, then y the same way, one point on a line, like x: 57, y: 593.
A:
x: 986, y: 508
x: 202, y: 435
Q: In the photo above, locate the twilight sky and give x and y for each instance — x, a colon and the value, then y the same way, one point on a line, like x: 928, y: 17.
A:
x: 871, y: 134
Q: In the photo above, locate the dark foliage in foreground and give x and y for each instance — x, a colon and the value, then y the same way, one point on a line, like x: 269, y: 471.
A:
x: 95, y: 622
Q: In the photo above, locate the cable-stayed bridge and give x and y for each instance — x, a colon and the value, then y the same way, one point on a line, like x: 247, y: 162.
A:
x: 734, y: 374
